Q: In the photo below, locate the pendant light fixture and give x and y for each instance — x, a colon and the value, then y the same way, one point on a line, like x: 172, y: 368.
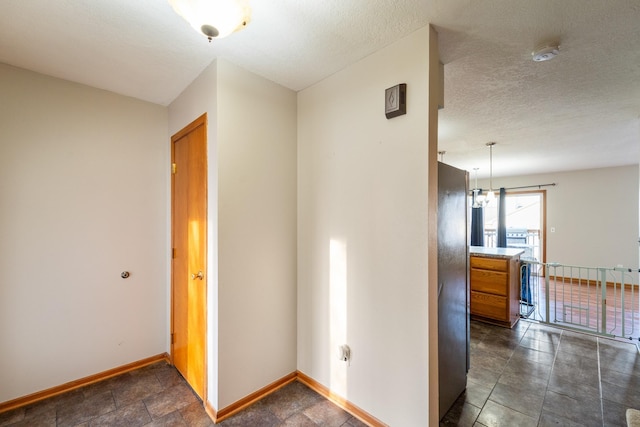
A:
x: 214, y: 18
x: 491, y: 195
x: 479, y: 199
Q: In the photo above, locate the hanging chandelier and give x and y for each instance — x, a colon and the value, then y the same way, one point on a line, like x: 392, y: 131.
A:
x: 214, y: 18
x: 479, y: 199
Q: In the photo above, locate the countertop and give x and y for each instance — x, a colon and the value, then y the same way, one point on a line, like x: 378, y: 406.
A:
x: 495, y: 252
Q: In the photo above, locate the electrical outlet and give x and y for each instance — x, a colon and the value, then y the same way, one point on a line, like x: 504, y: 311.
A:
x: 344, y: 353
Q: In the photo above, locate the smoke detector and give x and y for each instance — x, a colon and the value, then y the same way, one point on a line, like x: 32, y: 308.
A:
x: 545, y: 53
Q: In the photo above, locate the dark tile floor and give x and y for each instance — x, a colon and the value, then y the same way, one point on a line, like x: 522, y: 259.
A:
x: 157, y: 395
x: 293, y: 405
x: 531, y: 375
x: 537, y: 375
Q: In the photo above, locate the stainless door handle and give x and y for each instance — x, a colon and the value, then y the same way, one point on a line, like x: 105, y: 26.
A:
x: 200, y: 275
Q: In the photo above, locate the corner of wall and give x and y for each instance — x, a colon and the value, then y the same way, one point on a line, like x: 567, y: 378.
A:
x: 363, y: 233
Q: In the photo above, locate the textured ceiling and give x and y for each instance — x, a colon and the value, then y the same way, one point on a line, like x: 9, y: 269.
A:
x: 580, y: 110
x: 142, y: 48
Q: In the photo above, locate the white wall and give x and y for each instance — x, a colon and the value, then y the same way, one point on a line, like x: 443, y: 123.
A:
x: 83, y: 197
x: 252, y: 227
x: 594, y: 212
x: 257, y: 232
x: 362, y: 233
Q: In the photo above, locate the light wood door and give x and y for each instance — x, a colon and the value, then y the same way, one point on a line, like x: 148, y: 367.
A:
x: 189, y: 243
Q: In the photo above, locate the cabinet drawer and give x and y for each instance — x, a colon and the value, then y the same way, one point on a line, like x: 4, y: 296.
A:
x: 493, y: 282
x: 491, y: 306
x: 497, y: 264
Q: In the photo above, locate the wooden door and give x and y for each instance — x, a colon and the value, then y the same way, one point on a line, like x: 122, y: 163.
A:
x: 189, y: 243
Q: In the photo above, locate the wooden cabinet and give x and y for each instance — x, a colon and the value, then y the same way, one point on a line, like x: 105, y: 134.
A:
x: 495, y: 294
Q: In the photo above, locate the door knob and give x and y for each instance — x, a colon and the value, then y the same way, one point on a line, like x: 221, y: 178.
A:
x: 200, y: 275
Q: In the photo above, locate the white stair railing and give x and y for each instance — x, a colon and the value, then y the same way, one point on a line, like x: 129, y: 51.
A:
x: 604, y: 301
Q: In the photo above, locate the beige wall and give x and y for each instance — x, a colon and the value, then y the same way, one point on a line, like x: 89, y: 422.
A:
x: 83, y: 197
x: 257, y: 232
x: 363, y: 234
x: 252, y: 227
x: 594, y: 213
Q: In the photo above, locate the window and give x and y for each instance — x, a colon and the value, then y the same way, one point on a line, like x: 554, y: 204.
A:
x: 525, y: 217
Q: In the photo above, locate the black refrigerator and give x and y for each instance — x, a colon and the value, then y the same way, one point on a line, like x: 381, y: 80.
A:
x: 453, y: 284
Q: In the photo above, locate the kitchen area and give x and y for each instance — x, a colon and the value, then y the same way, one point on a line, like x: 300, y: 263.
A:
x: 495, y: 284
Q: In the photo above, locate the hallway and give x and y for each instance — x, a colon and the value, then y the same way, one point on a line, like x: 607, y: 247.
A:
x: 537, y: 375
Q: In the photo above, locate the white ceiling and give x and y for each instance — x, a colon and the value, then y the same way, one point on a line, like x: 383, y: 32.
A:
x: 580, y: 110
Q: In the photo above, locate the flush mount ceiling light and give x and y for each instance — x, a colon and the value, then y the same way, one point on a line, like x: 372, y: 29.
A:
x: 214, y: 18
x: 545, y: 53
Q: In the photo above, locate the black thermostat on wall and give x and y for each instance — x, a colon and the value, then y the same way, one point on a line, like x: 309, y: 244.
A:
x: 395, y: 101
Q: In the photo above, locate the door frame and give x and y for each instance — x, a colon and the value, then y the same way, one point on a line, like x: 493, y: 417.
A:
x: 200, y: 121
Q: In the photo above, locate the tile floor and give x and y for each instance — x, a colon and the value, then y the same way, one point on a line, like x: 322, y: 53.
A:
x: 531, y: 375
x: 157, y: 395
x: 537, y: 375
x: 294, y: 405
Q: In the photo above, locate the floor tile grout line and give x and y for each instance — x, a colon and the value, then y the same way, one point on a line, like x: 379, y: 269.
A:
x: 578, y: 349
x: 492, y: 388
x: 548, y: 379
x: 485, y: 402
x: 553, y: 364
x: 600, y: 380
x: 501, y: 373
x: 147, y: 409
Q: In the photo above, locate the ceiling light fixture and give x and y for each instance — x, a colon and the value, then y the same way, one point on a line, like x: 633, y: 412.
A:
x: 479, y: 199
x: 491, y: 195
x: 545, y: 53
x: 214, y: 18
